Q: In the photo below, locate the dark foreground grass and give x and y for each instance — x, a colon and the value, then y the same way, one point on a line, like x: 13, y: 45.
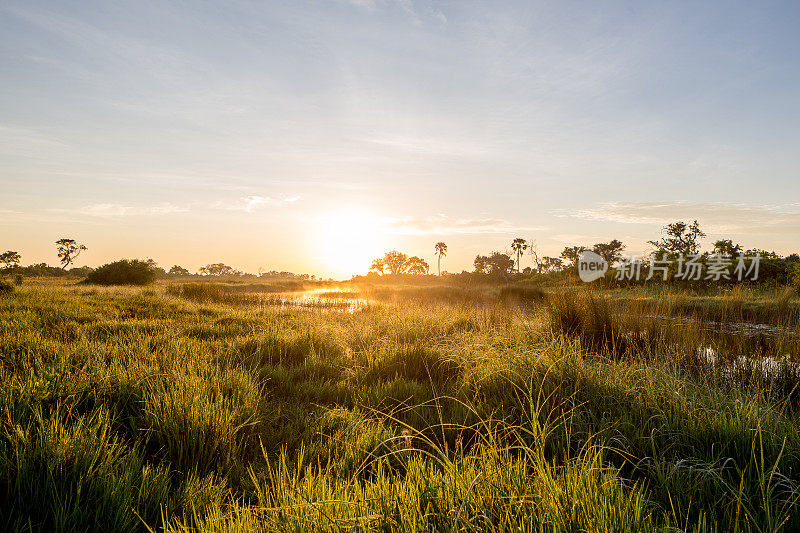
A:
x: 138, y: 410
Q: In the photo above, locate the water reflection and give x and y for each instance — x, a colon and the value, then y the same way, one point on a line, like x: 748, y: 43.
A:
x: 331, y: 299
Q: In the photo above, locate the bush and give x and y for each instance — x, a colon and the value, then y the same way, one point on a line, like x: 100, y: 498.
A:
x: 796, y: 276
x: 123, y: 272
x: 5, y: 287
x: 18, y: 280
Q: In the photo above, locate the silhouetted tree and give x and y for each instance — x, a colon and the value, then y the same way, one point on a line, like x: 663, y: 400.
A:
x: 551, y: 264
x: 535, y: 255
x: 416, y: 265
x: 519, y: 245
x: 681, y: 239
x: 153, y: 264
x: 395, y: 261
x: 497, y: 264
x: 763, y: 253
x: 177, y: 270
x: 399, y: 263
x: 441, y: 250
x: 218, y: 269
x: 41, y: 269
x: 378, y: 266
x: 571, y: 253
x: 500, y: 264
x: 481, y: 264
x: 610, y: 251
x: 726, y: 247
x: 274, y: 274
x: 68, y: 251
x: 10, y: 259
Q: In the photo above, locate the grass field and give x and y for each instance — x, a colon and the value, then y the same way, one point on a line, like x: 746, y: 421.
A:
x: 217, y: 407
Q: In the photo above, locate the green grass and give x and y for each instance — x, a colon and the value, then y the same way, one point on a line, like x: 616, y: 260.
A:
x: 780, y: 306
x: 431, y: 409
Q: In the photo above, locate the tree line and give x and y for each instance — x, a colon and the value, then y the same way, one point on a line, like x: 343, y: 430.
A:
x: 68, y: 250
x: 678, y: 239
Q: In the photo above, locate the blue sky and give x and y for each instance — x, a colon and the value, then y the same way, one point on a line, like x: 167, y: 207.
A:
x: 282, y: 134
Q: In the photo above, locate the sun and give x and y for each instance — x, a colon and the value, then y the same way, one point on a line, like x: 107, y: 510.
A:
x: 348, y: 241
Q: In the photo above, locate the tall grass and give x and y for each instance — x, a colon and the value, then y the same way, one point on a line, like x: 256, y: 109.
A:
x: 133, y: 410
x: 289, y: 294
x: 617, y: 326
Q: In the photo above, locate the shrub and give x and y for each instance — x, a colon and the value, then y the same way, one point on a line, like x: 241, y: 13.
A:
x: 18, y: 279
x: 123, y: 272
x: 5, y: 287
x: 796, y: 276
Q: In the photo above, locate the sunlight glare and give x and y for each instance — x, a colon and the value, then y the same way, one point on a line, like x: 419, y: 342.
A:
x: 349, y: 241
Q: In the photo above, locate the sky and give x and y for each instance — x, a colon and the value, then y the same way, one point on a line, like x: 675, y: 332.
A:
x: 311, y: 136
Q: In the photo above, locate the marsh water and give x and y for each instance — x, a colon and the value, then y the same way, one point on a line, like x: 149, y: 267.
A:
x: 730, y: 345
x: 749, y: 329
x: 337, y: 299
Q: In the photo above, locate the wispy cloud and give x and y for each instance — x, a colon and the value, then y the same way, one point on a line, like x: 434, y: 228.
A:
x: 571, y: 237
x: 106, y: 210
x: 248, y: 203
x: 414, y: 11
x: 715, y: 217
x: 408, y: 7
x: 444, y: 225
x: 167, y: 208
x: 112, y: 210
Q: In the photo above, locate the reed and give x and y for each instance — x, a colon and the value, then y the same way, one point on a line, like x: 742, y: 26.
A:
x: 177, y: 409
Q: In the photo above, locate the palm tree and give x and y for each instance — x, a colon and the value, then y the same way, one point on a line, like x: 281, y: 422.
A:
x: 519, y: 245
x: 441, y: 249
